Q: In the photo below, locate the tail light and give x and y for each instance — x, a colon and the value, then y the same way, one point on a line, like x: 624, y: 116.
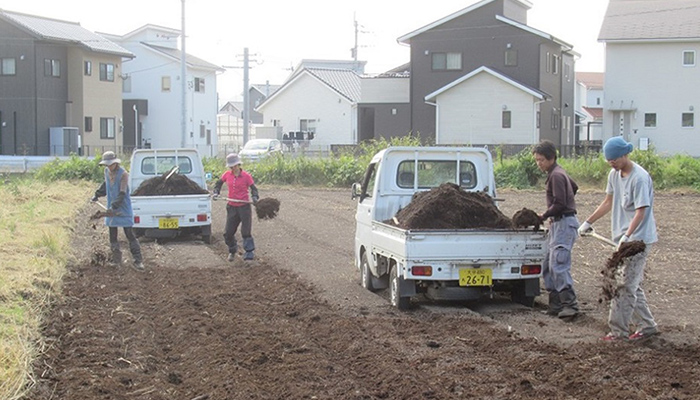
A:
x: 531, y: 269
x: 137, y: 219
x: 201, y: 217
x: 422, y: 270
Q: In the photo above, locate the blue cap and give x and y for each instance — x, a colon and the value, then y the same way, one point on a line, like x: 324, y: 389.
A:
x: 616, y: 147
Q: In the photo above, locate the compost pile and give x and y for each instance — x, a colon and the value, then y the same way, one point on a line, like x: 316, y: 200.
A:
x: 267, y: 208
x: 175, y: 184
x: 526, y: 217
x: 627, y: 249
x: 449, y: 207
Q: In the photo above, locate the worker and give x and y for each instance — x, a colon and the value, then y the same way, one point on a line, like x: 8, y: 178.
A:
x: 120, y: 214
x: 629, y: 194
x: 561, y: 213
x: 238, y: 208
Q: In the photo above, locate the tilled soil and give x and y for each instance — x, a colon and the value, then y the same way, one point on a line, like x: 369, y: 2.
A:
x: 296, y: 324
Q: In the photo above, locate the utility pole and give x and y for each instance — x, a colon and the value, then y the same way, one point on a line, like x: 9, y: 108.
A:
x: 246, y: 97
x: 183, y: 81
x: 353, y: 51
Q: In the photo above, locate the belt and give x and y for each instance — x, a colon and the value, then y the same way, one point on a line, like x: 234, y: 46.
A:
x: 569, y: 214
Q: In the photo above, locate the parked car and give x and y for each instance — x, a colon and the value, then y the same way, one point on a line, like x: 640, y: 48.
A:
x: 260, y: 148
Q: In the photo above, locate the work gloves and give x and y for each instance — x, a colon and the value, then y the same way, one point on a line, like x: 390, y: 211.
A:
x: 215, y: 194
x: 584, y: 228
x: 94, y: 198
x: 255, y: 199
x: 119, y: 201
x: 623, y: 239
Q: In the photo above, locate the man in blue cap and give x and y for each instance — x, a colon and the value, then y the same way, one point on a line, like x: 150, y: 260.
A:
x: 630, y: 197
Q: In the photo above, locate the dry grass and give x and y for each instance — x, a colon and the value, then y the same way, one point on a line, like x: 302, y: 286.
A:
x: 36, y: 220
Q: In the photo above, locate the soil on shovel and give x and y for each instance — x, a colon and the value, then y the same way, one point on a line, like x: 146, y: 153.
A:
x: 176, y: 184
x: 267, y: 208
x: 627, y: 249
x: 525, y: 218
x: 449, y: 207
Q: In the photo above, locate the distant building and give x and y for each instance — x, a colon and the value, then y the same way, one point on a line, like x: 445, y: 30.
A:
x: 589, y: 107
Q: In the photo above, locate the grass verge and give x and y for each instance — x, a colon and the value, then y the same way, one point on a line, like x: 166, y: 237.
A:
x: 36, y: 221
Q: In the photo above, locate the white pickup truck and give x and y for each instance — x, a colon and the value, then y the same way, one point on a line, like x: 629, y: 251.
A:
x: 458, y: 264
x: 169, y: 216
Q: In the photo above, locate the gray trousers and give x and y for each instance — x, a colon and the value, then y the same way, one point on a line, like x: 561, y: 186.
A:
x: 556, y: 269
x: 630, y: 306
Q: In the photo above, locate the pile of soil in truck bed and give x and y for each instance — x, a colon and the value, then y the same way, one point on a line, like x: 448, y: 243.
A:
x: 449, y: 207
x: 176, y: 184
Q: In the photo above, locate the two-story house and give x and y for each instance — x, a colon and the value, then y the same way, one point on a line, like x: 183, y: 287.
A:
x: 152, y: 92
x: 589, y: 108
x: 652, y: 76
x: 483, y: 76
x: 58, y: 77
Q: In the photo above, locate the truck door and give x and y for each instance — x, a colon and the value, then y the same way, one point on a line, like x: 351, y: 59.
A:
x: 364, y: 215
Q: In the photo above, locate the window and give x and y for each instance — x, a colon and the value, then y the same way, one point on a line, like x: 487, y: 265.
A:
x: 7, y: 66
x: 547, y: 63
x: 555, y: 119
x: 539, y: 118
x: 433, y: 173
x: 126, y: 84
x: 164, y: 164
x: 88, y: 68
x: 511, y: 58
x: 555, y: 64
x: 689, y: 58
x: 199, y: 85
x: 88, y: 124
x: 650, y: 120
x: 165, y: 83
x: 52, y: 67
x: 597, y: 101
x: 202, y: 131
x: 107, y: 72
x: 447, y: 61
x: 505, y: 119
x: 107, y: 128
x: 688, y: 120
x: 308, y: 125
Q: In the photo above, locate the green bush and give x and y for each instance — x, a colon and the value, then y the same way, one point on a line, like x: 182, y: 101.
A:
x: 75, y: 168
x: 519, y: 171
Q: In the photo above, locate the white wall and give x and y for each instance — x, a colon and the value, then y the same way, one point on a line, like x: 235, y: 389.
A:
x: 653, y: 77
x: 307, y: 98
x: 470, y: 113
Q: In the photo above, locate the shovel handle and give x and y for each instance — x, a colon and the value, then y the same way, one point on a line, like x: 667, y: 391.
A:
x: 238, y: 201
x: 600, y: 237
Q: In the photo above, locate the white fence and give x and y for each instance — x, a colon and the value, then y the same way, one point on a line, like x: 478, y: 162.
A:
x: 22, y: 164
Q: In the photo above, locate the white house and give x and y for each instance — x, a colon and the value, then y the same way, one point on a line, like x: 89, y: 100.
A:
x: 486, y: 107
x: 588, y: 104
x: 153, y: 78
x: 652, y: 76
x: 317, y: 105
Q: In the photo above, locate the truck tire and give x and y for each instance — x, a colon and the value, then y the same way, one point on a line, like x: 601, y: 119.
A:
x: 402, y: 303
x: 518, y: 295
x: 365, y: 273
x: 206, y: 239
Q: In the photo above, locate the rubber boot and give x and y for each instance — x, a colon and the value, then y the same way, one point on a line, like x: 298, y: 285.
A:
x: 249, y: 247
x: 554, y: 304
x: 569, y: 304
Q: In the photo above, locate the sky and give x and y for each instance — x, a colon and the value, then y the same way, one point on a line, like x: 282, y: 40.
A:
x: 279, y: 34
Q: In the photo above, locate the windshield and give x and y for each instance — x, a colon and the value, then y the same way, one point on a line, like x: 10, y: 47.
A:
x: 257, y: 145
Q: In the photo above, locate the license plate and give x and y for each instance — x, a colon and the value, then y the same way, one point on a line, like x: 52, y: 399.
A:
x: 168, y: 223
x: 475, y: 277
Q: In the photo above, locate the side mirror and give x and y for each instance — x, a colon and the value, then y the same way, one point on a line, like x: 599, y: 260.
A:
x: 356, y: 190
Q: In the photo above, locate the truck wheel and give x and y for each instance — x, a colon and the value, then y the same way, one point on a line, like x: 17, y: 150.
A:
x: 517, y: 295
x: 402, y: 303
x: 366, y: 274
x: 206, y: 239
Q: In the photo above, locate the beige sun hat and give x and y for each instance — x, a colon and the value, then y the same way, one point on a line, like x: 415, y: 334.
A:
x: 109, y: 158
x: 232, y: 160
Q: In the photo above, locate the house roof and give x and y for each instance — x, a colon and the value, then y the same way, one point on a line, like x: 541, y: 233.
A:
x: 534, y: 31
x: 505, y: 78
x: 407, y: 37
x: 402, y: 71
x: 343, y: 81
x: 64, y: 31
x: 591, y: 80
x: 642, y: 20
x: 595, y: 112
x: 192, y: 61
x: 265, y: 89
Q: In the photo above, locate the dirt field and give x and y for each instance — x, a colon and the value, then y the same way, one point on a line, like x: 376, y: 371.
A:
x: 296, y: 323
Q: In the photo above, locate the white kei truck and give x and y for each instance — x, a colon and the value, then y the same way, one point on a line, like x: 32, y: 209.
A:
x: 441, y: 264
x: 169, y: 216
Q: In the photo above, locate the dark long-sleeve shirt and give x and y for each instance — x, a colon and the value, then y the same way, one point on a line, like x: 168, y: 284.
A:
x: 560, y: 193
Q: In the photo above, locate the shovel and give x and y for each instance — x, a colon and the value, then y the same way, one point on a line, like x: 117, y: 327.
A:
x: 172, y: 171
x: 106, y: 213
x: 600, y: 237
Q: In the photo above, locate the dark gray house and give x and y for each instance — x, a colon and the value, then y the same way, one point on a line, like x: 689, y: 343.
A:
x: 60, y: 87
x: 256, y: 95
x: 492, y: 36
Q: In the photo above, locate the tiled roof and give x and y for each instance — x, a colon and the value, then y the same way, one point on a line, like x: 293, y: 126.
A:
x: 595, y: 112
x: 592, y: 80
x: 63, y: 31
x: 651, y: 19
x: 264, y: 88
x: 193, y: 61
x: 344, y: 81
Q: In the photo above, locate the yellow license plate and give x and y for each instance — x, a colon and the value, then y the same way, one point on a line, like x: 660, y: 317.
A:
x: 475, y: 277
x: 168, y: 223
